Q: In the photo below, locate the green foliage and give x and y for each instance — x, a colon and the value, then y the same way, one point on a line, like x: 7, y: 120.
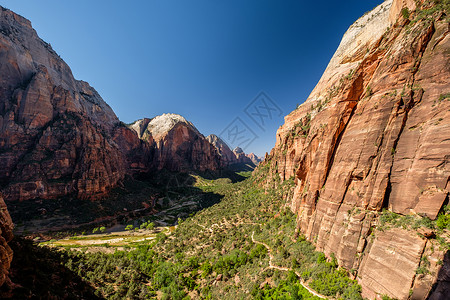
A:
x: 129, y: 227
x: 150, y: 226
x: 369, y: 91
x: 388, y: 219
x: 443, y: 97
x: 443, y: 220
x: 432, y: 8
x: 215, y: 245
x: 286, y: 289
x: 405, y: 13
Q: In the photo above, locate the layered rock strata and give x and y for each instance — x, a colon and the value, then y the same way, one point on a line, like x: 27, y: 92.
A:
x: 375, y: 134
x: 58, y: 137
x: 179, y: 146
x: 56, y: 133
x: 6, y: 254
x: 227, y: 156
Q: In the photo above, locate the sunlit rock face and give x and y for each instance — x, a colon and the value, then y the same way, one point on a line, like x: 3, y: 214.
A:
x: 374, y: 134
x: 56, y: 135
x: 227, y: 156
x: 179, y: 146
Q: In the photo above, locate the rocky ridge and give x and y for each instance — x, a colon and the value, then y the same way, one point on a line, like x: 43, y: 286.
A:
x: 254, y: 158
x: 241, y: 157
x: 373, y: 135
x: 227, y: 156
x: 179, y: 146
x: 234, y: 156
x: 57, y: 136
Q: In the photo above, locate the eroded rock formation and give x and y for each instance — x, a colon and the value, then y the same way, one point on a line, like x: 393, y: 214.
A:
x: 254, y: 158
x: 55, y: 132
x: 375, y: 134
x: 58, y: 137
x: 6, y: 254
x: 241, y: 157
x: 179, y: 146
x: 227, y: 156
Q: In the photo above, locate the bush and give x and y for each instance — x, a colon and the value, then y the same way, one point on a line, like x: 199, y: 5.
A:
x: 443, y: 220
x: 405, y: 13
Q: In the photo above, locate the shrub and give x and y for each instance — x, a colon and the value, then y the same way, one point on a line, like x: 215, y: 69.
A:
x: 405, y: 13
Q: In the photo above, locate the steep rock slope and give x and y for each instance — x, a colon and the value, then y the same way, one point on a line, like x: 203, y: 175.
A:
x: 179, y: 146
x: 56, y: 133
x: 254, y: 158
x: 227, y: 156
x: 241, y: 157
x: 374, y: 134
x: 6, y: 254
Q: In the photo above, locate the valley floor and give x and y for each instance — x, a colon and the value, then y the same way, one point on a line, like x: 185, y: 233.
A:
x: 243, y: 247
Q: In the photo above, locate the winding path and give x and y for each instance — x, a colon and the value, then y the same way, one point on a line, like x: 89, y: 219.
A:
x: 272, y: 266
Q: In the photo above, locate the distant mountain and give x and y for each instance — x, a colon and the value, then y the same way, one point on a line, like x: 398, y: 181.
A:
x: 254, y: 158
x: 237, y: 156
x: 57, y: 135
x: 179, y: 146
x: 241, y: 156
x: 227, y: 156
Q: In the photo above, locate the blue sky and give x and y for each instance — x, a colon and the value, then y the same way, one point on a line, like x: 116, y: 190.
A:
x: 204, y: 59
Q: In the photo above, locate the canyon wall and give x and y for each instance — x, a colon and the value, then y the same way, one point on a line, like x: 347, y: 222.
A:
x: 375, y: 134
x: 57, y: 135
x: 6, y: 254
x: 179, y: 146
x: 55, y: 132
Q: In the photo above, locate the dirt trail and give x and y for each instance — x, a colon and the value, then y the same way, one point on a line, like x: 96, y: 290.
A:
x: 272, y: 266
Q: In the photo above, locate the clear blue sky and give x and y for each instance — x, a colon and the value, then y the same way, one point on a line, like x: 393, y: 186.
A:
x: 203, y: 59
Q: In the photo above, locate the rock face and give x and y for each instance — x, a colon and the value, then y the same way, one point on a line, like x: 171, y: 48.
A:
x: 227, y: 156
x: 58, y: 136
x: 56, y: 133
x: 179, y: 146
x: 241, y: 157
x: 6, y: 254
x: 254, y: 158
x: 374, y: 134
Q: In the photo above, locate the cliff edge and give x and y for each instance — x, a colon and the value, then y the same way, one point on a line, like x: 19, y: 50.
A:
x: 371, y: 144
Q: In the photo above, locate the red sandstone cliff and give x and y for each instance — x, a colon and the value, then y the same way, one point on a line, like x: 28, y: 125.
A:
x: 6, y: 254
x: 56, y: 133
x: 374, y: 134
x: 241, y: 157
x: 227, y: 156
x: 58, y: 136
x: 179, y: 146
